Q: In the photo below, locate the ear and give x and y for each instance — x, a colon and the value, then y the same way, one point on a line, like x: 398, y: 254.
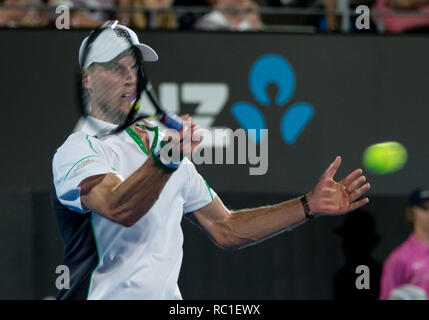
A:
x: 86, y: 80
x: 409, y: 214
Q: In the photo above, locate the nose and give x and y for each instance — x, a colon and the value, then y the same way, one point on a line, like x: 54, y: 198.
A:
x: 131, y: 76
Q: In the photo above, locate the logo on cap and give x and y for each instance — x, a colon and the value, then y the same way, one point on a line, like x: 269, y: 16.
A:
x: 122, y: 33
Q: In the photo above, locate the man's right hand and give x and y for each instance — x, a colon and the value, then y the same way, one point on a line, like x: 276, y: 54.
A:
x: 184, y: 142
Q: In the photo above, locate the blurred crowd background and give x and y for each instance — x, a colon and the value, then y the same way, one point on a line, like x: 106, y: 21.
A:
x: 387, y: 16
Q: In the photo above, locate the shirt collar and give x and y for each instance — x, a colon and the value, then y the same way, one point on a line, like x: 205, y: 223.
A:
x: 417, y: 243
x: 94, y: 126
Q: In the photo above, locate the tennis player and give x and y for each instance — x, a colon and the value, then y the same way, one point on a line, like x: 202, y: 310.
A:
x: 119, y: 207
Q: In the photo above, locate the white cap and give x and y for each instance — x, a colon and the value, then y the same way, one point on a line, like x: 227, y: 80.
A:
x: 108, y: 45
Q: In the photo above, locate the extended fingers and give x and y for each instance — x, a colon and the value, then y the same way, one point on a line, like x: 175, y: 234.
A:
x: 338, y: 199
x: 336, y: 209
x: 355, y: 184
x: 359, y: 192
x: 352, y: 177
x: 358, y: 204
x: 333, y: 168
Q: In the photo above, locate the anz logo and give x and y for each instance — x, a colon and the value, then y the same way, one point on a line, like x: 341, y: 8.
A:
x: 211, y: 99
x: 273, y: 69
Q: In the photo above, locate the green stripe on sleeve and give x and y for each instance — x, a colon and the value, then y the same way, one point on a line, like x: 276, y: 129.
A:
x: 208, y: 188
x: 93, y: 156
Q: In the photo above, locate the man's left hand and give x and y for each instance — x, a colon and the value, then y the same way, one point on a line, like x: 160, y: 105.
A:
x: 331, y: 198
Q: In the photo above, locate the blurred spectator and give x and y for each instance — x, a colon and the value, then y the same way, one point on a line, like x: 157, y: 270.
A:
x: 156, y: 19
x: 91, y: 18
x: 21, y: 17
x: 186, y: 20
x: 294, y: 19
x: 245, y: 18
x: 403, y: 23
x: 408, y: 265
x: 332, y: 21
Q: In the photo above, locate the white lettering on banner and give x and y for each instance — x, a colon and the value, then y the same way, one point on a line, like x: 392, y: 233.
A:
x: 169, y: 97
x: 247, y: 150
x: 210, y: 99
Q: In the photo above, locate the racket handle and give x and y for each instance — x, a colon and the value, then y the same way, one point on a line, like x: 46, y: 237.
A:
x: 172, y: 121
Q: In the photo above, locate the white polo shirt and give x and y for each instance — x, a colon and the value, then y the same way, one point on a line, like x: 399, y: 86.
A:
x: 139, y: 262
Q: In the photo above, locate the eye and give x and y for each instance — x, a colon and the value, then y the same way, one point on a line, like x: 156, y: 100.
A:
x: 118, y: 68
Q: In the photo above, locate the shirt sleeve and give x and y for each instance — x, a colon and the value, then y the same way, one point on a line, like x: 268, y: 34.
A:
x: 198, y: 192
x: 392, y: 276
x: 80, y: 157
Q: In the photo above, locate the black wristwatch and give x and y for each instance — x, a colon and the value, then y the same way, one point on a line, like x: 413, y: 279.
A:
x: 308, y: 214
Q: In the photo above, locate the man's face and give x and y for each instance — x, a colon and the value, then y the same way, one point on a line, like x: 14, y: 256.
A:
x: 112, y: 86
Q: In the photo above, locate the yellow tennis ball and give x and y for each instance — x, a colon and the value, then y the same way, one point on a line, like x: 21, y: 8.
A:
x: 385, y: 157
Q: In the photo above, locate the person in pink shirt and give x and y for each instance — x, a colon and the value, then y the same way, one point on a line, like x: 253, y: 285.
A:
x: 409, y: 263
x: 416, y: 21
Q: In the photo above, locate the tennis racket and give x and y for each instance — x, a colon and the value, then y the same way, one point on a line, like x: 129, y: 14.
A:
x: 112, y: 79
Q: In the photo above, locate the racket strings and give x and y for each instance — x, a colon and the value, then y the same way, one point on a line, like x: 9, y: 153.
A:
x: 111, y: 83
x: 113, y: 80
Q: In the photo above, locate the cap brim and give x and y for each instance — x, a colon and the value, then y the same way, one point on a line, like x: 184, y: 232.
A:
x: 147, y: 52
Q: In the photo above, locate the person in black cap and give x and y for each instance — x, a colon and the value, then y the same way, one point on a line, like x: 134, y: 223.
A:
x: 405, y: 273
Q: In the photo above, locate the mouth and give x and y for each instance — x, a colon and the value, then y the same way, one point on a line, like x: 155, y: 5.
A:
x: 129, y: 96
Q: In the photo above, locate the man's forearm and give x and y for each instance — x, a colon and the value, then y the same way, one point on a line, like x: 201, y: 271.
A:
x: 126, y: 201
x: 250, y: 226
x: 137, y: 194
x: 240, y: 228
